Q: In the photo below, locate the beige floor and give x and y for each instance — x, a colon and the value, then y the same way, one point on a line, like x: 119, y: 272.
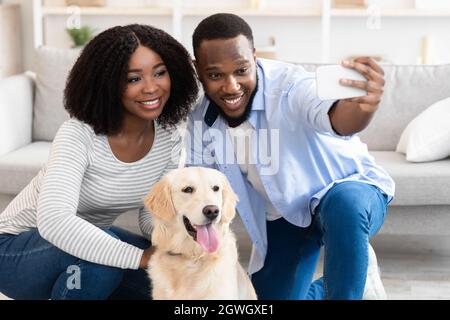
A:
x: 414, y: 277
x: 412, y: 267
x: 415, y: 267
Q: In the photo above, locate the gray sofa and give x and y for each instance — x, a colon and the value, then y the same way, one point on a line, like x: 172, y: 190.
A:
x: 31, y: 111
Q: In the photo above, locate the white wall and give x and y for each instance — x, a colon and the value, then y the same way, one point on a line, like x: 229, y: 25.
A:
x: 398, y: 40
x: 296, y: 39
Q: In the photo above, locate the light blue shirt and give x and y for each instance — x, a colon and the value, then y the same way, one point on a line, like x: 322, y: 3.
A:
x: 298, y: 155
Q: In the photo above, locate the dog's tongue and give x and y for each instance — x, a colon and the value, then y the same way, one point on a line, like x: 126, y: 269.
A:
x: 207, y: 237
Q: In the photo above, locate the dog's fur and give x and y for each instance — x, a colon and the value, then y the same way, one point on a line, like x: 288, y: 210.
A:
x: 181, y: 268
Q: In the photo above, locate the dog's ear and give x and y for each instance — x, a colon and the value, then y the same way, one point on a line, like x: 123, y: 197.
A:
x: 159, y: 200
x: 229, y: 201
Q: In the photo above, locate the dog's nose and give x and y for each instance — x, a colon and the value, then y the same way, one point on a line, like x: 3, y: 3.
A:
x: 211, y: 212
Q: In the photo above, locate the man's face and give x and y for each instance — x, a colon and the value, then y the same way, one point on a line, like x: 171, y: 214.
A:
x: 227, y: 70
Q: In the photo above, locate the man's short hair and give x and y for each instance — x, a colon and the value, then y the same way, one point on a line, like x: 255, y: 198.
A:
x: 221, y: 26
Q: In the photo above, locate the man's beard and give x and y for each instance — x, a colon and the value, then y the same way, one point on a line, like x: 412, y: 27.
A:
x: 236, y: 121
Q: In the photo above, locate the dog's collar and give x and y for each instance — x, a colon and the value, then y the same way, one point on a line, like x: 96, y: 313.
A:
x: 170, y: 253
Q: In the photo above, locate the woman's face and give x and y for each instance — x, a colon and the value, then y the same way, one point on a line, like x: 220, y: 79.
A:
x: 148, y: 84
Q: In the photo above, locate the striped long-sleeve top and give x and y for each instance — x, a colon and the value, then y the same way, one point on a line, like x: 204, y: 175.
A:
x: 83, y: 188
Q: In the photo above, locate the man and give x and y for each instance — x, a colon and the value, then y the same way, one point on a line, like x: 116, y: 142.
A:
x: 303, y: 178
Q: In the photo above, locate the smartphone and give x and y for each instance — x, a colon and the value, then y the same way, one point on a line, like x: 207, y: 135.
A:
x: 328, y: 86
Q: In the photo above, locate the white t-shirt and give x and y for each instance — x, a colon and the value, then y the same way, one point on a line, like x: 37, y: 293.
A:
x: 242, y: 138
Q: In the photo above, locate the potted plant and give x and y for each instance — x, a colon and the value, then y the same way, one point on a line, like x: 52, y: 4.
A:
x: 80, y: 36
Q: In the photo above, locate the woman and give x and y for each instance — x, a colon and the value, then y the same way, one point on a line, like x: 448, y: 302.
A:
x: 127, y: 91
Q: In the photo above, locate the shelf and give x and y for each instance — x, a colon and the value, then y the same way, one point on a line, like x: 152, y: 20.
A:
x: 177, y: 14
x: 266, y: 12
x: 138, y: 11
x: 109, y: 11
x: 400, y: 13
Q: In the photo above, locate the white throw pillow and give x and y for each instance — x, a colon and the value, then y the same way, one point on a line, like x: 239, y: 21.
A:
x: 52, y: 66
x: 427, y: 136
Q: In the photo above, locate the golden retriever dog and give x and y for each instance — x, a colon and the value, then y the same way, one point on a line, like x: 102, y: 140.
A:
x: 196, y: 255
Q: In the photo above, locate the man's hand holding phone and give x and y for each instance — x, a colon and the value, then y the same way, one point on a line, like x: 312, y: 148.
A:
x: 374, y: 85
x: 357, y: 86
x: 359, y: 81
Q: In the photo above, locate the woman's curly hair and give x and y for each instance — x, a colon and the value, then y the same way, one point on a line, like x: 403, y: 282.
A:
x: 97, y: 81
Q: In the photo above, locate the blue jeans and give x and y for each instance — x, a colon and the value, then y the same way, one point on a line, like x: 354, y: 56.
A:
x: 347, y: 216
x: 32, y: 268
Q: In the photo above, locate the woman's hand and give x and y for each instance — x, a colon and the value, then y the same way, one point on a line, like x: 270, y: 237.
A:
x: 143, y: 264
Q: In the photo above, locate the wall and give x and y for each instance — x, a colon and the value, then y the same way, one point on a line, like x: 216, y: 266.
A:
x: 399, y: 40
x: 27, y: 31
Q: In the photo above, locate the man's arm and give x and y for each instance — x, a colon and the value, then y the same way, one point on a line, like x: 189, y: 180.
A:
x: 350, y: 116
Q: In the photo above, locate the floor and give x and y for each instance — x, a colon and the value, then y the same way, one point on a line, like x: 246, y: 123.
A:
x: 414, y: 277
x: 412, y: 267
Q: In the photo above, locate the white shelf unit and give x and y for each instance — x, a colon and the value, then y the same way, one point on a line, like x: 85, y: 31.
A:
x: 325, y: 20
x: 395, y: 13
x: 267, y: 12
x: 101, y: 11
x: 108, y: 11
x: 176, y: 12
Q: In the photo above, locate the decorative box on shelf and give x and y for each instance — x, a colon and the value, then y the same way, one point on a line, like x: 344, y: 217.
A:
x: 86, y: 3
x: 349, y: 3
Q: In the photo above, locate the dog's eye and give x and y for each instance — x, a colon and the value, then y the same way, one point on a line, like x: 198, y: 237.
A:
x: 188, y: 190
x: 216, y: 188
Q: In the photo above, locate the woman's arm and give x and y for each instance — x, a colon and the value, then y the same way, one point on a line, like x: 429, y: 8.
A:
x: 57, y: 205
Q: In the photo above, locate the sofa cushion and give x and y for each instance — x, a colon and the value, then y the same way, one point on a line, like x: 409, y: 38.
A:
x: 16, y: 100
x: 408, y: 91
x: 52, y: 66
x: 427, y: 136
x: 425, y: 183
x: 17, y: 168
